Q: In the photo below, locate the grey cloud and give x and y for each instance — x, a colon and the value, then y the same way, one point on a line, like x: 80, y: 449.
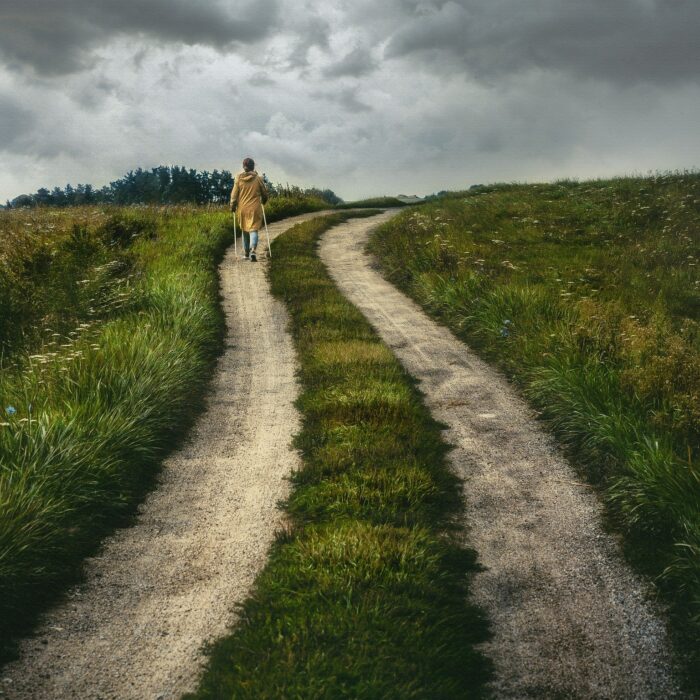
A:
x: 93, y: 94
x: 57, y: 37
x: 308, y: 30
x: 348, y: 100
x: 16, y: 122
x: 626, y: 41
x: 293, y: 157
x: 355, y: 64
x: 23, y: 131
x: 345, y: 98
x: 261, y: 79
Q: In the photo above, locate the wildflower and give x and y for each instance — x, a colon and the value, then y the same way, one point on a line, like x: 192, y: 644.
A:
x: 10, y: 410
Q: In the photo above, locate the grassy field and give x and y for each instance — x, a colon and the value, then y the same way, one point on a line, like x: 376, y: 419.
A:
x: 364, y: 594
x: 372, y: 203
x: 109, y: 327
x: 588, y: 296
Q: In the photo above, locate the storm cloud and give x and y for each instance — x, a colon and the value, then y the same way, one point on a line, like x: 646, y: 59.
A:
x: 57, y: 37
x: 355, y: 63
x: 16, y: 122
x: 624, y: 41
x: 363, y: 97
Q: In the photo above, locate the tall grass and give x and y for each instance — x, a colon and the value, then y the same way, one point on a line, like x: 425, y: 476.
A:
x: 110, y: 326
x: 588, y: 296
x: 364, y: 595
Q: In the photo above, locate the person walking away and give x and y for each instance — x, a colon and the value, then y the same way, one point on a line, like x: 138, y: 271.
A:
x: 247, y: 197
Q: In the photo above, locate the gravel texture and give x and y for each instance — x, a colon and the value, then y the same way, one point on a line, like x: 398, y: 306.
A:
x: 160, y: 589
x: 569, y: 618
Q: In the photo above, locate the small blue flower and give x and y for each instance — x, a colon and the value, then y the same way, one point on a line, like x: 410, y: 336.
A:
x: 10, y: 410
x: 504, y: 332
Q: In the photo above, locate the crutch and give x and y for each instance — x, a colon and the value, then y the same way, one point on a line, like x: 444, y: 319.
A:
x: 267, y: 232
x: 235, y: 237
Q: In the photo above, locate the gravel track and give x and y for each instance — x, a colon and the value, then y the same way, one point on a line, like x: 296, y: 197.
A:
x: 569, y: 618
x: 160, y: 589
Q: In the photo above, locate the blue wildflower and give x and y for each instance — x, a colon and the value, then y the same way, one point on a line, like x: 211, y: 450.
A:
x: 504, y: 332
x: 10, y: 410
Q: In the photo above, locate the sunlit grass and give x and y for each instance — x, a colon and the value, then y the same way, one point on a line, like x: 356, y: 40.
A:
x: 588, y: 295
x: 365, y: 592
x: 351, y: 352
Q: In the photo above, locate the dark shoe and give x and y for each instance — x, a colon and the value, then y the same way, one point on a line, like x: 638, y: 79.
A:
x: 253, y: 258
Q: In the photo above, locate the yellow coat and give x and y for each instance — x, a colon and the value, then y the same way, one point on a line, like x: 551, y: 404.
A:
x: 248, y: 192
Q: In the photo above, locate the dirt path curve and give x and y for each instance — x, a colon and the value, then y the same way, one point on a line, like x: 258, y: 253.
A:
x: 569, y: 618
x: 161, y: 588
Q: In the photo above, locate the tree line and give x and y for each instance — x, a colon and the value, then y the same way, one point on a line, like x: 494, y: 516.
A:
x: 166, y: 184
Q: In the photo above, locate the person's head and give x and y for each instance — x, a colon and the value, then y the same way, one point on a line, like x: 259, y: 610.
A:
x: 248, y: 165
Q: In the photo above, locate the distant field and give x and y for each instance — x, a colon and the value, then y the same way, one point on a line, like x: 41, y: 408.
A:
x: 109, y: 325
x: 372, y: 203
x: 588, y: 296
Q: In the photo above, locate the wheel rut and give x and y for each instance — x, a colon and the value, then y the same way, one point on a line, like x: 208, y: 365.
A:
x: 568, y: 616
x: 159, y: 590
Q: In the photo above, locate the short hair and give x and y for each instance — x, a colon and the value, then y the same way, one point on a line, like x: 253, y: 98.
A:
x: 248, y: 164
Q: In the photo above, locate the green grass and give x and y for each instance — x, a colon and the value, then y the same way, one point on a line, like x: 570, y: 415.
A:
x: 588, y: 296
x: 364, y: 594
x: 372, y: 203
x: 109, y: 326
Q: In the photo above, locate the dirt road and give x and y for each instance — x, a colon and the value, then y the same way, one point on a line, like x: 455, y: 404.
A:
x: 160, y: 589
x: 569, y: 619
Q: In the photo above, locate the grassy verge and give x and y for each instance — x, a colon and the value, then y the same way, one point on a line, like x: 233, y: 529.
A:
x: 588, y: 296
x: 112, y: 327
x: 364, y: 594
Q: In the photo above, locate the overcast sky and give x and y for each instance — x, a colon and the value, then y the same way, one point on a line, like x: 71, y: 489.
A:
x: 387, y: 96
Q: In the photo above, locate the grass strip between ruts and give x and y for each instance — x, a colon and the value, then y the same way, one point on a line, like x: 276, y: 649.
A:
x: 365, y: 592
